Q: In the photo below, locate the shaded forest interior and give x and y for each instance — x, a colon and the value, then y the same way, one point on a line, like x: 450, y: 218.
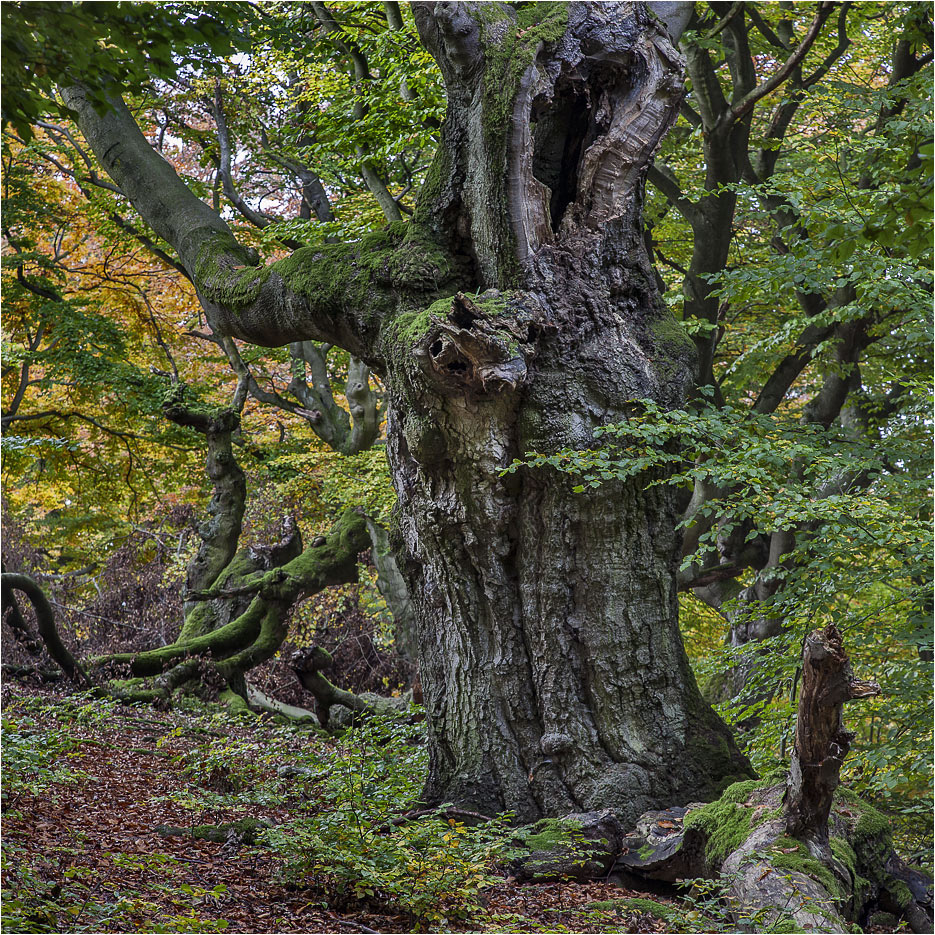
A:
x: 467, y: 466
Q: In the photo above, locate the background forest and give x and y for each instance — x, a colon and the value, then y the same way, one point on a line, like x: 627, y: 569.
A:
x: 789, y: 215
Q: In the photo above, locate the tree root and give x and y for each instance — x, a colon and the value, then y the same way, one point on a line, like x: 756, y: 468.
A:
x: 307, y: 664
x: 259, y: 700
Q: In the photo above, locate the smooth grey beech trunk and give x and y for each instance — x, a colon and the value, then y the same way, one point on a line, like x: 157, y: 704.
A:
x: 516, y: 312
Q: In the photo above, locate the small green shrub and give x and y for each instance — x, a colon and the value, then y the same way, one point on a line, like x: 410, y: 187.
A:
x: 33, y: 754
x: 355, y: 842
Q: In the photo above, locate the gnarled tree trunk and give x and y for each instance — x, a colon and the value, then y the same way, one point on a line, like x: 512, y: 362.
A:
x: 552, y: 665
x: 517, y: 311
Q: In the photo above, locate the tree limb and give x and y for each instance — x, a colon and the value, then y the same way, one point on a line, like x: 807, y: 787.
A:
x: 257, y: 218
x: 45, y: 624
x: 746, y: 104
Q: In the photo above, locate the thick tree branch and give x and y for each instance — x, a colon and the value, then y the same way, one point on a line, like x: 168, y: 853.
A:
x: 220, y: 532
x: 747, y: 103
x: 334, y: 293
x: 150, y: 183
x: 45, y: 623
x: 258, y: 632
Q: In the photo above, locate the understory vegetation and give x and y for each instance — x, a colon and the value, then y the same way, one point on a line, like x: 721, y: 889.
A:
x: 122, y: 819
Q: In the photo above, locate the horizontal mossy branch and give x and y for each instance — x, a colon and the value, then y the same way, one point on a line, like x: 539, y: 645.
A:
x: 45, y: 623
x: 339, y: 293
x: 257, y: 633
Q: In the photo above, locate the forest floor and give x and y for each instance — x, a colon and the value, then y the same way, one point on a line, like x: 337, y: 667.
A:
x: 87, y: 786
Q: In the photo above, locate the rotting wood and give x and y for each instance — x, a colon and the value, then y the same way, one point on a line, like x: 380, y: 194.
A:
x: 821, y: 741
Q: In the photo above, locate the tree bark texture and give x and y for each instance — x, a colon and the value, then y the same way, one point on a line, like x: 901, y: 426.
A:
x: 517, y: 312
x: 821, y: 742
x: 552, y: 664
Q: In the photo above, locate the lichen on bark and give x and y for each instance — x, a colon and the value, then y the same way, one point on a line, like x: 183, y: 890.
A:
x: 543, y: 613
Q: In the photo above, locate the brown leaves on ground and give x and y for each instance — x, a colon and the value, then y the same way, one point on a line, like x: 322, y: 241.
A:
x: 90, y: 848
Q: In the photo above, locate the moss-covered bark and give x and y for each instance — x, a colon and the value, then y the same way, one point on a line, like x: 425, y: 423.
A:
x: 256, y: 634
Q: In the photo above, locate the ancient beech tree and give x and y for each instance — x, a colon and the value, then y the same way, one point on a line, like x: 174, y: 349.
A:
x: 517, y: 310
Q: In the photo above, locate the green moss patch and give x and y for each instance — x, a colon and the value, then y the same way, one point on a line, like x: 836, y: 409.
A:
x: 369, y: 276
x: 549, y: 834
x: 664, y: 911
x: 727, y: 822
x: 789, y: 854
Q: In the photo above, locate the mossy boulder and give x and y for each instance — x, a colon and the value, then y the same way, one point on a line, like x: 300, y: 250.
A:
x: 579, y: 846
x: 693, y: 840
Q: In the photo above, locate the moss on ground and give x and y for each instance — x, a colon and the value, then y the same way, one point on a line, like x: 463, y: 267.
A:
x: 662, y: 911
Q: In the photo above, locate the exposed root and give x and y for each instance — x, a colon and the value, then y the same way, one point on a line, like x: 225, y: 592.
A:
x: 307, y: 664
x: 263, y: 702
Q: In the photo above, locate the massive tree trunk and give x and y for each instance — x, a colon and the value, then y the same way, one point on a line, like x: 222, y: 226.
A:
x: 517, y: 311
x: 552, y: 663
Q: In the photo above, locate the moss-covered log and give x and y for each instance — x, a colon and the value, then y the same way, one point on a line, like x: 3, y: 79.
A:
x: 793, y: 851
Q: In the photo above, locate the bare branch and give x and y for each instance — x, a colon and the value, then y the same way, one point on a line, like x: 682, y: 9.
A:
x: 257, y: 218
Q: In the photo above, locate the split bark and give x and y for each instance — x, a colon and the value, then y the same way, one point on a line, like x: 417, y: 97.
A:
x: 821, y: 742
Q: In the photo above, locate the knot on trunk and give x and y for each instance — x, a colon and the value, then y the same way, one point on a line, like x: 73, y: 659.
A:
x: 482, y: 346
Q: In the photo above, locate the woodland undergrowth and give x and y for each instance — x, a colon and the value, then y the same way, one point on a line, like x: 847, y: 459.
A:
x: 122, y: 819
